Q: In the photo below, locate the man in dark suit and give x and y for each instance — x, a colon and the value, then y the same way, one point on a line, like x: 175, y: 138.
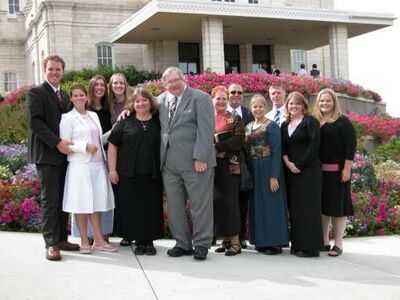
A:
x: 187, y: 163
x: 235, y: 104
x: 44, y: 105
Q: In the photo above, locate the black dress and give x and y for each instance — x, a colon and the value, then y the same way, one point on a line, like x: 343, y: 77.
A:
x: 304, y: 188
x: 338, y: 143
x: 139, y: 187
x: 104, y: 117
x: 226, y: 185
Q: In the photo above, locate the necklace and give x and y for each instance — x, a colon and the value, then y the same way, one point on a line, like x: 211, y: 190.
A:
x: 144, y: 124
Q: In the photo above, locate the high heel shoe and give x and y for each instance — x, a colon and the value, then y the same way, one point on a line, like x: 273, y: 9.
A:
x: 233, y: 250
x: 224, y: 245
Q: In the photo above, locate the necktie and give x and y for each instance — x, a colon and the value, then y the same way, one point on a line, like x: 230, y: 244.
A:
x: 277, y: 117
x: 58, y: 93
x: 172, y: 108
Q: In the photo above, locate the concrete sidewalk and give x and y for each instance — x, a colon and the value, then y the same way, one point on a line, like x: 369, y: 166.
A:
x: 368, y: 269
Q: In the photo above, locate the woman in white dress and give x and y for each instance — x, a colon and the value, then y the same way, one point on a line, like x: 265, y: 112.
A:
x: 87, y: 189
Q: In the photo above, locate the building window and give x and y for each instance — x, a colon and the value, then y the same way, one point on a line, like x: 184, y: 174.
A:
x: 104, y: 55
x: 223, y: 0
x: 10, y: 81
x: 298, y: 57
x: 13, y: 6
x: 253, y: 1
x: 189, y: 58
x: 261, y: 59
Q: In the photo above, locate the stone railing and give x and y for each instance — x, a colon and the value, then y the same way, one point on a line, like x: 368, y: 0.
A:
x: 357, y: 105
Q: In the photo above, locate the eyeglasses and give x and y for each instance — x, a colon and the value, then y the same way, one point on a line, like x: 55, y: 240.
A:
x: 236, y: 92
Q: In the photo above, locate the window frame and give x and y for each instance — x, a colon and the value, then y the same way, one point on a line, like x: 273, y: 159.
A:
x: 107, y: 56
x: 13, y: 7
x: 10, y: 85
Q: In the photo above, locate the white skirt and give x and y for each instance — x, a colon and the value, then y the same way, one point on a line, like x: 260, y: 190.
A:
x: 87, y: 188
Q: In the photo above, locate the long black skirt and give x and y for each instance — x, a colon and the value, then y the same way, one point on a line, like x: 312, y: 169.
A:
x: 226, y: 200
x: 140, y: 208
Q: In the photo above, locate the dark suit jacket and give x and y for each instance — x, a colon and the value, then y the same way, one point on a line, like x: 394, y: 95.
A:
x: 44, y: 114
x: 246, y: 116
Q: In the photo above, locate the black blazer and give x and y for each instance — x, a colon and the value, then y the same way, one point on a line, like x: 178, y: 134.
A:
x: 44, y: 114
x: 246, y: 116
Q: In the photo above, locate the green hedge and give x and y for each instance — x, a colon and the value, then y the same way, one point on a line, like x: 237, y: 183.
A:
x: 13, y: 124
x: 133, y: 76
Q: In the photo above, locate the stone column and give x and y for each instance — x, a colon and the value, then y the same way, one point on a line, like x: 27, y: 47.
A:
x: 213, y: 44
x: 246, y: 58
x: 339, y: 59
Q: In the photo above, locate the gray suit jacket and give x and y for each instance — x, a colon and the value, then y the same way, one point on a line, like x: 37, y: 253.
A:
x: 192, y: 130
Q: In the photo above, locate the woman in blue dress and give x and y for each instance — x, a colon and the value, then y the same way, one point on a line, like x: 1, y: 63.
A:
x: 268, y: 218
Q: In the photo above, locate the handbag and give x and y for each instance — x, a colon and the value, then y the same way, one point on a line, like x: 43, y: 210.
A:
x: 246, y: 179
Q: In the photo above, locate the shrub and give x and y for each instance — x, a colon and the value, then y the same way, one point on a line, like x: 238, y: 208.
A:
x: 381, y: 127
x: 363, y: 177
x: 133, y: 76
x: 13, y: 156
x: 5, y: 173
x: 390, y: 150
x: 260, y: 83
x: 13, y: 124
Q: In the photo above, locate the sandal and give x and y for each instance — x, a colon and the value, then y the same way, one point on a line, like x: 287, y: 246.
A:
x: 233, y: 250
x: 335, y: 251
x: 85, y: 249
x: 224, y: 245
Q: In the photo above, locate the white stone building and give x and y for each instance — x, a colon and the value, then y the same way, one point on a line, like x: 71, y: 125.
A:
x: 195, y: 35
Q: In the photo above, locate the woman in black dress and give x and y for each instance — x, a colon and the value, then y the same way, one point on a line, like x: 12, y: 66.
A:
x: 97, y: 101
x: 134, y: 165
x: 337, y: 150
x: 229, y: 137
x: 300, y: 153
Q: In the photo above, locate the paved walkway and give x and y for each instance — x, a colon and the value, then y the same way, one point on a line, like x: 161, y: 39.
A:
x: 368, y: 269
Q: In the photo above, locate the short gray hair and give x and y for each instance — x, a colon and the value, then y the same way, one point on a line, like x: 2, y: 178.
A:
x: 170, y: 70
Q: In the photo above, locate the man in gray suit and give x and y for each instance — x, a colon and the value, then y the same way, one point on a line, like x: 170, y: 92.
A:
x: 187, y: 163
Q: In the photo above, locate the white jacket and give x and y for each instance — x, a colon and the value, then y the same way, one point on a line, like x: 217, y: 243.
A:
x: 73, y: 128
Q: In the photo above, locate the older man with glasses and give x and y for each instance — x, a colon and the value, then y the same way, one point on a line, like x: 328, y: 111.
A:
x: 235, y: 104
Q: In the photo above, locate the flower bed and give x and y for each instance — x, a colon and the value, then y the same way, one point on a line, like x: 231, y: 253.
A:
x: 260, y: 83
x: 375, y: 194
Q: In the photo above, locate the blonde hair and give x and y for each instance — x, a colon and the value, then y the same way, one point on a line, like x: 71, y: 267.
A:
x: 258, y: 97
x: 112, y: 98
x: 336, y: 112
x: 299, y: 97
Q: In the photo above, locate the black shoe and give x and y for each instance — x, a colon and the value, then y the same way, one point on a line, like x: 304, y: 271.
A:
x: 307, y: 253
x: 243, y: 244
x: 261, y: 249
x: 293, y: 251
x: 200, y: 253
x: 125, y: 243
x: 178, y: 252
x: 273, y: 250
x: 150, y: 250
x: 140, y: 250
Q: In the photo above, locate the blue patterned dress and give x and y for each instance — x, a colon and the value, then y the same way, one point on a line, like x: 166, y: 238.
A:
x: 268, y: 212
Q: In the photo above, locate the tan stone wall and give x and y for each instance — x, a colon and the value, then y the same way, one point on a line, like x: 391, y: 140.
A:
x: 11, y: 46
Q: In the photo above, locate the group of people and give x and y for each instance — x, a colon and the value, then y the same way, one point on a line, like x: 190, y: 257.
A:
x: 109, y: 159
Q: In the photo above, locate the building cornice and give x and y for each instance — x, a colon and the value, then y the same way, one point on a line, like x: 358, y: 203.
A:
x: 228, y: 9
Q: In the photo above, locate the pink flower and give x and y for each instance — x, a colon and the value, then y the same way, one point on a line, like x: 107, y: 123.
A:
x: 381, y: 231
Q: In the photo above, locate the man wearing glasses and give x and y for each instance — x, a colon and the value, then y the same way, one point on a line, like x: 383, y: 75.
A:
x: 235, y: 104
x: 187, y: 163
